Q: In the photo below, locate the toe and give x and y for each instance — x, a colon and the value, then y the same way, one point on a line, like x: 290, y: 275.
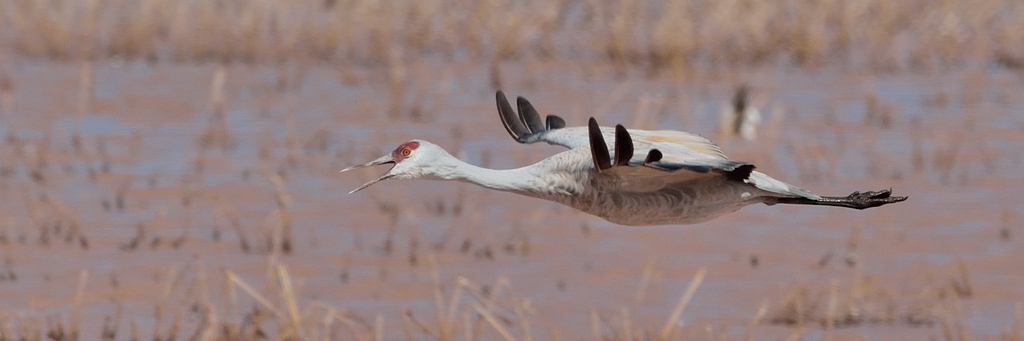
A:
x: 885, y: 193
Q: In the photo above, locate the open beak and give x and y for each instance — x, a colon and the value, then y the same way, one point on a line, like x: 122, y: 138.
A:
x: 386, y: 159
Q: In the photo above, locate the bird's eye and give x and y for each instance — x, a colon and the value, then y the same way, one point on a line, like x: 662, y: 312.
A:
x: 406, y: 152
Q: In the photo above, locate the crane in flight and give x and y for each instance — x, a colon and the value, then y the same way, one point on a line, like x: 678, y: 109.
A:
x: 648, y: 178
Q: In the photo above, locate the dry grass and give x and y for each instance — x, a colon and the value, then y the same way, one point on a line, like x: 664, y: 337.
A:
x: 864, y: 300
x: 469, y: 311
x: 661, y: 37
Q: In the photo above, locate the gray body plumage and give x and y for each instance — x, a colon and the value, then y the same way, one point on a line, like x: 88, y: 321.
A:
x: 570, y: 178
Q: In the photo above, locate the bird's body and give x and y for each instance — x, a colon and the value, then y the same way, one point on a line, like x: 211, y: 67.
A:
x: 568, y: 178
x: 650, y: 178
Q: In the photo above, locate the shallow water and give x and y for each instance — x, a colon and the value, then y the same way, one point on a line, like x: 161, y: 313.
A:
x: 949, y: 141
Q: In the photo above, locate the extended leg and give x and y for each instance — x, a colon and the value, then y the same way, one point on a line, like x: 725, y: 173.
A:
x: 858, y: 200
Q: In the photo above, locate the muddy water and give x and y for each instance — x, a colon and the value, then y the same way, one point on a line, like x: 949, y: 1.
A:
x: 147, y: 195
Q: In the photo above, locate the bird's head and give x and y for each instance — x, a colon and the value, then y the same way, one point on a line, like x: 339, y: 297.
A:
x: 410, y: 161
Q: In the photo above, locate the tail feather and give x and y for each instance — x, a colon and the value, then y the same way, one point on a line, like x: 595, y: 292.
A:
x: 767, y: 183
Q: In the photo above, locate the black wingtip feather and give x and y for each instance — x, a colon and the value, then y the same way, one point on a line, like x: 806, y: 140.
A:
x: 525, y: 123
x: 623, y: 146
x: 555, y: 122
x: 653, y: 156
x: 741, y: 173
x: 509, y: 118
x: 598, y: 148
x: 529, y: 115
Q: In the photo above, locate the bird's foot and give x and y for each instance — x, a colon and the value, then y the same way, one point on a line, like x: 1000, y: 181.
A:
x: 862, y: 200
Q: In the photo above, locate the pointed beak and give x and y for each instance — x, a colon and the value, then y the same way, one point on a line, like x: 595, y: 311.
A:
x: 386, y: 159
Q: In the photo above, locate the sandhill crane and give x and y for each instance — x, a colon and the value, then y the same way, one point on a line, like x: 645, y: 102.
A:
x: 649, y: 177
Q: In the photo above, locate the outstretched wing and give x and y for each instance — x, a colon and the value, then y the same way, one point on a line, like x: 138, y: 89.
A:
x: 645, y: 168
x: 641, y: 167
x: 526, y: 126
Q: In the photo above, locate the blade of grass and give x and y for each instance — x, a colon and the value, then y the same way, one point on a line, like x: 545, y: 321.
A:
x: 288, y: 294
x: 670, y: 324
x: 253, y: 293
x: 494, y: 323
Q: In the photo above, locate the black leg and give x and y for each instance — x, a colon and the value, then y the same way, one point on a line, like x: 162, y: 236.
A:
x: 858, y: 200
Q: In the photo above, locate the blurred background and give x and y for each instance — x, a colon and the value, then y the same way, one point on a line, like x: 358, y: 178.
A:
x: 169, y: 169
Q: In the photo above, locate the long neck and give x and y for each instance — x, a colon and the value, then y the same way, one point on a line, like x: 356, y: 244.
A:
x: 527, y: 180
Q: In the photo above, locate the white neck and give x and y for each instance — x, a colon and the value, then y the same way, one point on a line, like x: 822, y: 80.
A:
x: 526, y: 180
